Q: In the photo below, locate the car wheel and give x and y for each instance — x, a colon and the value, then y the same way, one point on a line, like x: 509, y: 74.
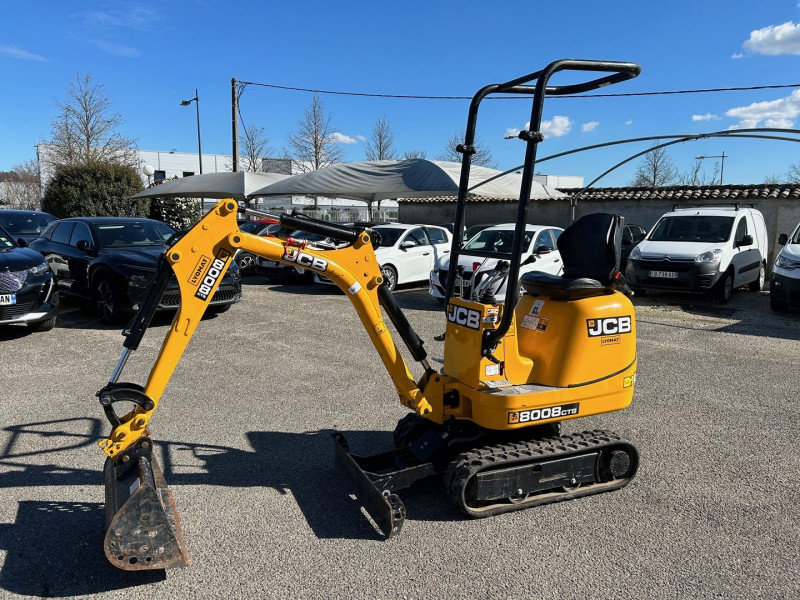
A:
x: 247, y: 263
x: 43, y: 325
x: 758, y: 284
x: 389, y: 277
x: 777, y: 305
x: 107, y: 296
x: 723, y: 290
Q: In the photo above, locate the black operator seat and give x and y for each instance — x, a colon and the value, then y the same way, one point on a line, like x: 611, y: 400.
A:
x: 590, y: 249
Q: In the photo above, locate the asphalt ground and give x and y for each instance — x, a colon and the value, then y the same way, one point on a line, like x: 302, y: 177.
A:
x: 243, y: 432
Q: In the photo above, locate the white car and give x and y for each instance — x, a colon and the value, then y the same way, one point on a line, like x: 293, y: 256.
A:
x: 784, y: 284
x: 702, y: 249
x: 406, y: 253
x: 539, y: 253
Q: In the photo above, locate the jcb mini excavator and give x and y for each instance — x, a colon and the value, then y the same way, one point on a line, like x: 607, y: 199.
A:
x: 553, y: 348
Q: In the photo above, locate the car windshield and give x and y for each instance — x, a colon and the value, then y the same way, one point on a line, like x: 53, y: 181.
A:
x: 796, y: 237
x: 692, y: 228
x: 22, y: 224
x: 6, y: 240
x: 387, y: 236
x: 497, y: 240
x: 134, y: 233
x: 254, y: 226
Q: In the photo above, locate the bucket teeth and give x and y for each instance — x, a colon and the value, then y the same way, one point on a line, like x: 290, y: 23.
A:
x: 143, y: 530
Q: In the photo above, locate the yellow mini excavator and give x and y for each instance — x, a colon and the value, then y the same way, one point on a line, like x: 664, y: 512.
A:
x: 552, y: 348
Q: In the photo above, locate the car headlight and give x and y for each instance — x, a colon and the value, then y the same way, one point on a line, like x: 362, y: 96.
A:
x: 39, y: 269
x: 785, y: 263
x: 139, y: 280
x: 711, y: 256
x: 635, y: 254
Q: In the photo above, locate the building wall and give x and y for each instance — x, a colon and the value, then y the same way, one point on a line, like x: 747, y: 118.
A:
x: 780, y: 214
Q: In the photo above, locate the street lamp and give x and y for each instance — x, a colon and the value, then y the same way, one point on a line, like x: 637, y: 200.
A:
x: 196, y: 100
x: 722, y: 164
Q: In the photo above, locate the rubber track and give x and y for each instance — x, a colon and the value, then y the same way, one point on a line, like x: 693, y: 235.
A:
x: 468, y: 464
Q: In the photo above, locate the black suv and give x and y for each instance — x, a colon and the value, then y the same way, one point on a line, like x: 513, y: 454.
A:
x: 28, y: 294
x: 112, y: 260
x: 24, y: 224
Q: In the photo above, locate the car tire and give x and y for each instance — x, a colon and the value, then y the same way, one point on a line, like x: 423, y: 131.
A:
x: 723, y: 290
x: 108, y: 299
x: 777, y: 305
x: 389, y: 277
x: 758, y: 284
x: 46, y: 325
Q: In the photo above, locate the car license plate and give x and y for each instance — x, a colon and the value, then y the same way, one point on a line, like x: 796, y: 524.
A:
x: 268, y: 263
x: 6, y: 299
x: 664, y: 274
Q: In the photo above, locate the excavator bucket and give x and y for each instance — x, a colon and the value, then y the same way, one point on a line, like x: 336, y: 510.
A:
x: 143, y: 530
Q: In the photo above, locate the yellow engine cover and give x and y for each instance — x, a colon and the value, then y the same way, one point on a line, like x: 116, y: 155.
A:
x: 578, y: 341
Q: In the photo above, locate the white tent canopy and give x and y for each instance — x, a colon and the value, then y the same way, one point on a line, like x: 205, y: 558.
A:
x: 238, y: 185
x: 415, y: 178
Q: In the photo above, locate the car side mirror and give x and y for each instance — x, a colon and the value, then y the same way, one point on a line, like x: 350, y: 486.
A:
x: 406, y: 245
x: 543, y: 250
x: 530, y: 260
x: 782, y: 239
x: 747, y: 240
x: 22, y: 243
x: 83, y: 245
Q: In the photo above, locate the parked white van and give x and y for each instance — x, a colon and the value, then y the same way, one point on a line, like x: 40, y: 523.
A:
x: 784, y: 284
x: 702, y: 249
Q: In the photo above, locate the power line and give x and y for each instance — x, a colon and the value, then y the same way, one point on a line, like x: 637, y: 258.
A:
x: 619, y: 95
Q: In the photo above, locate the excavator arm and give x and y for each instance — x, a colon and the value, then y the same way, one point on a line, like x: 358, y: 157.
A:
x: 143, y: 530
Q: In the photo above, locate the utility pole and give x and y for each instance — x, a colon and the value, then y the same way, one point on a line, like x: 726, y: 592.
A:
x: 235, y: 123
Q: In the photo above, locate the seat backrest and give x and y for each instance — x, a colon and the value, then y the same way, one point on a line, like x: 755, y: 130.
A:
x: 591, y: 247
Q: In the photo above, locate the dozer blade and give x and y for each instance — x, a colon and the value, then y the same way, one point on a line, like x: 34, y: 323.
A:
x: 143, y: 530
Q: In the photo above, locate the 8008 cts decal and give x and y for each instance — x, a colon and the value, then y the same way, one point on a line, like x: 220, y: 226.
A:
x: 542, y: 414
x: 212, y: 275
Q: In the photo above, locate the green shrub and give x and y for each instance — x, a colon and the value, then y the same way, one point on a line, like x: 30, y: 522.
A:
x: 98, y: 190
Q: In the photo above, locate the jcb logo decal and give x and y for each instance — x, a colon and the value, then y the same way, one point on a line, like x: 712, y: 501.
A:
x: 464, y: 316
x: 212, y: 275
x: 305, y: 260
x: 608, y: 326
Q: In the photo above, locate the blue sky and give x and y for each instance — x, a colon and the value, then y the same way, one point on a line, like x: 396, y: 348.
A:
x: 149, y: 56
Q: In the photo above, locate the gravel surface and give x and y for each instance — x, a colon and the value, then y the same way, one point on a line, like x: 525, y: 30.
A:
x: 243, y: 433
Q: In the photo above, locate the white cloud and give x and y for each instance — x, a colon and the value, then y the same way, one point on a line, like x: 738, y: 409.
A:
x: 706, y: 117
x: 590, y: 126
x: 117, y: 49
x: 340, y: 138
x: 629, y: 122
x: 556, y: 127
x: 737, y: 55
x: 21, y: 54
x: 780, y: 111
x: 361, y: 138
x: 775, y: 39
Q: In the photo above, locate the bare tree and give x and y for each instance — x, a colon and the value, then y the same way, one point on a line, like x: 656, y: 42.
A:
x: 85, y: 131
x: 381, y: 145
x: 411, y: 154
x: 655, y: 170
x: 20, y: 189
x: 312, y: 145
x: 483, y: 156
x: 696, y: 175
x: 254, y: 147
x: 793, y: 176
x: 774, y: 179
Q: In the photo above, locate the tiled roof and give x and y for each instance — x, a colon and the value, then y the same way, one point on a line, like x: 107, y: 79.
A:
x: 729, y: 193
